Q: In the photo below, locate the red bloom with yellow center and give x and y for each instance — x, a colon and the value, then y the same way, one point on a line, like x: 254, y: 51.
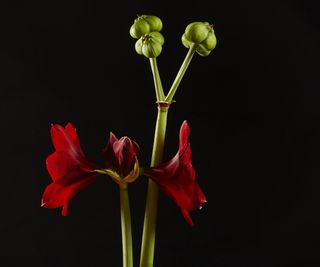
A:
x: 177, y: 177
x: 71, y: 172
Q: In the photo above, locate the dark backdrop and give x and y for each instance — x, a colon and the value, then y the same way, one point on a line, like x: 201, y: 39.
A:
x: 252, y: 105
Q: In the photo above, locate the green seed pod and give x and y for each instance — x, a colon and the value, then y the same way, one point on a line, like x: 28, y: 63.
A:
x: 139, y: 28
x: 154, y: 22
x: 185, y: 42
x: 210, y: 42
x: 192, y: 24
x: 197, y: 32
x: 138, y: 46
x: 144, y: 25
x: 157, y: 36
x: 202, y: 35
x: 150, y: 45
x: 202, y: 51
x: 151, y: 48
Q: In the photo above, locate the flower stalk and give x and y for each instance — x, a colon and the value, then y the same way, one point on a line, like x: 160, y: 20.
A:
x: 150, y: 217
x: 182, y: 71
x: 156, y: 78
x: 127, y: 255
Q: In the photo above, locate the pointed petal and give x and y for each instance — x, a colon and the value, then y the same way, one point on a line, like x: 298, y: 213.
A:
x: 136, y: 148
x: 112, y: 138
x: 66, y: 140
x: 134, y: 174
x: 176, y: 177
x: 186, y: 215
x: 108, y: 153
x: 124, y: 151
x: 56, y: 195
x: 72, y: 133
x: 183, y: 136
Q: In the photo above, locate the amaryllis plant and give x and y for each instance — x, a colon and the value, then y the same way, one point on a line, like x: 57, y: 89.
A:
x: 72, y: 172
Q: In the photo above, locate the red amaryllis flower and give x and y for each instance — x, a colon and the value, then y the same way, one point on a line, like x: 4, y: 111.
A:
x: 177, y: 177
x: 70, y: 171
x: 121, y: 159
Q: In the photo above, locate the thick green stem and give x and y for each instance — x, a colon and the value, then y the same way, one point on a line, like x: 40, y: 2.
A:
x: 181, y: 73
x: 149, y: 227
x: 126, y: 227
x: 156, y: 79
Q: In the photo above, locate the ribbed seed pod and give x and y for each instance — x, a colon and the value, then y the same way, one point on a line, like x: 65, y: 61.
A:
x: 201, y: 34
x: 150, y: 45
x: 144, y: 25
x: 154, y: 22
x: 151, y: 48
x: 185, y: 42
x: 202, y: 51
x: 138, y: 46
x: 197, y: 32
x: 210, y: 42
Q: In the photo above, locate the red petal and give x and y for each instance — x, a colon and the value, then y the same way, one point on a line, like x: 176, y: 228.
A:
x: 183, y: 136
x: 120, y: 154
x: 55, y: 166
x: 177, y: 177
x: 56, y: 195
x: 125, y: 152
x: 136, y: 147
x: 65, y: 169
x: 66, y: 139
x: 186, y: 215
x: 72, y: 133
x: 109, y: 153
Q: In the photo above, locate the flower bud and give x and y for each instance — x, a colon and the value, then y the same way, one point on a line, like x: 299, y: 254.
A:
x: 150, y: 45
x: 145, y: 24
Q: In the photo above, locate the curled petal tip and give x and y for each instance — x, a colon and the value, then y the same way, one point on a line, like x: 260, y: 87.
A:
x: 134, y: 174
x: 43, y: 204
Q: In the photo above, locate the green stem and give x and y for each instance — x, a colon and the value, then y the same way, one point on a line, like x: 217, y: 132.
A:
x: 149, y: 227
x: 156, y: 79
x: 150, y: 216
x: 126, y: 227
x: 180, y: 74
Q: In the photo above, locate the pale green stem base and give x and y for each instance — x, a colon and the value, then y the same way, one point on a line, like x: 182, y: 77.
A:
x: 126, y: 227
x: 148, y: 237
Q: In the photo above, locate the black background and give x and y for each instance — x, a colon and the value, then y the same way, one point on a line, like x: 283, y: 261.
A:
x: 252, y: 105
